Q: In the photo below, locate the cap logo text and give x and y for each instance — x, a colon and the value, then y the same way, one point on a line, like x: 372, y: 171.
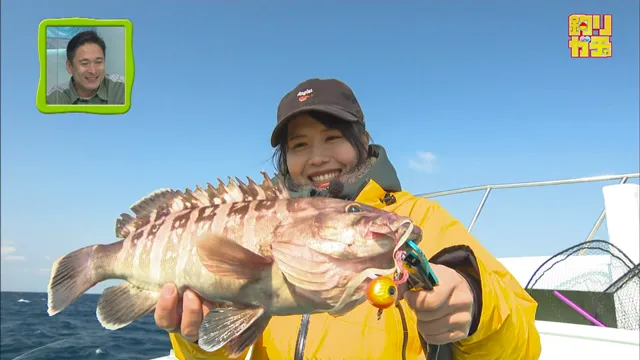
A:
x: 304, y: 95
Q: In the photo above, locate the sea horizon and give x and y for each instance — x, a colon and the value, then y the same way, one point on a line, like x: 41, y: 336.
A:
x: 29, y: 333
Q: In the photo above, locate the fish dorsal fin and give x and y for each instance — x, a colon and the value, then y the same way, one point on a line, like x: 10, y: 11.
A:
x: 144, y: 209
x: 151, y: 202
x: 163, y: 202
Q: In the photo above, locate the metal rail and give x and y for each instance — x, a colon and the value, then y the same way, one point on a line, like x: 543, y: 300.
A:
x: 487, y: 190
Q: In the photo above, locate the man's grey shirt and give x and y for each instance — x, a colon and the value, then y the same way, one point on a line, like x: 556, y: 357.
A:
x: 110, y: 92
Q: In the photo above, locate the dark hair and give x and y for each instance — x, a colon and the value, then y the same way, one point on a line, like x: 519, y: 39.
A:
x: 84, y: 37
x: 352, y: 131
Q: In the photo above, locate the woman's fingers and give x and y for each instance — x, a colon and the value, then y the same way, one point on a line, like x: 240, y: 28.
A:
x: 181, y: 315
x: 166, y: 313
x: 192, y: 315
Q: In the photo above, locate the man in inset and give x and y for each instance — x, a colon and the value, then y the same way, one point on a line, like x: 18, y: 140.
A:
x: 89, y: 85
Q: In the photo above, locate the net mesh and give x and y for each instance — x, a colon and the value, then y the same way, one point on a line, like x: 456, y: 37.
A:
x: 601, y: 269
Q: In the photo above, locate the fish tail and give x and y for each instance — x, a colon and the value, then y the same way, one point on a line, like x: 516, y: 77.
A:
x: 75, y: 273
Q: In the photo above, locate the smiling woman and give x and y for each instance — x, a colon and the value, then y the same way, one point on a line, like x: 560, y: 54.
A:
x: 320, y: 139
x: 305, y: 138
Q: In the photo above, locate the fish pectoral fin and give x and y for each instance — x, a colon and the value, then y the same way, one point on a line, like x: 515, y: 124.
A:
x: 121, y: 305
x: 224, y: 257
x: 239, y: 328
x: 237, y: 345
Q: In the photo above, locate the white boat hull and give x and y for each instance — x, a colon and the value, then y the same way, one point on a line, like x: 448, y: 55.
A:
x: 562, y: 341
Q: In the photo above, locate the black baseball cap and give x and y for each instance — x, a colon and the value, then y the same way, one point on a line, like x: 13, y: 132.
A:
x: 331, y: 96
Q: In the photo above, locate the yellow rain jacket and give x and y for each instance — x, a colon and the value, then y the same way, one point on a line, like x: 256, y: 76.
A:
x: 506, y: 328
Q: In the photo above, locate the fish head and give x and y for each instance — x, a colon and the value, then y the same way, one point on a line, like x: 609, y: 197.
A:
x: 352, y: 231
x: 328, y: 244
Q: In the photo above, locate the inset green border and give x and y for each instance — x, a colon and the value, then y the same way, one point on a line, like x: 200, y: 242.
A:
x: 129, y: 67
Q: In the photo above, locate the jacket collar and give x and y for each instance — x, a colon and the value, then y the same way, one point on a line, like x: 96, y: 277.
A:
x: 373, y: 194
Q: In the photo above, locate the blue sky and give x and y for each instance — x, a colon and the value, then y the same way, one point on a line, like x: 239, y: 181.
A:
x: 488, y: 88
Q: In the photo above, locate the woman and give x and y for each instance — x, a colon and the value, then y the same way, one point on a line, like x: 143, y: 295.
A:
x: 478, y: 311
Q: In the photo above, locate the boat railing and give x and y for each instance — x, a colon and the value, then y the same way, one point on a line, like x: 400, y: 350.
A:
x: 623, y: 178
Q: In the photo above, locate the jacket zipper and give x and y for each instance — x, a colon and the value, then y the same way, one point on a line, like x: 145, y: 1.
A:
x: 302, y: 337
x: 304, y: 328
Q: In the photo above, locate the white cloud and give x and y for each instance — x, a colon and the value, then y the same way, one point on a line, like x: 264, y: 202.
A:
x: 47, y: 257
x: 7, y: 249
x: 15, y: 258
x: 425, y: 162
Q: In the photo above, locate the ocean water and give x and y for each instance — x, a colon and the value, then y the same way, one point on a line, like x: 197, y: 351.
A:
x: 27, y: 332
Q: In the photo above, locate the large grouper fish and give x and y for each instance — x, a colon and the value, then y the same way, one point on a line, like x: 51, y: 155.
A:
x: 251, y: 249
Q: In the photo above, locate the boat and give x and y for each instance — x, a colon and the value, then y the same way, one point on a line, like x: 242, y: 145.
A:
x: 565, y: 327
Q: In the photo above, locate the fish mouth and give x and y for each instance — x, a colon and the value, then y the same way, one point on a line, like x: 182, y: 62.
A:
x: 415, y: 235
x: 391, y: 242
x: 386, y: 244
x: 394, y: 228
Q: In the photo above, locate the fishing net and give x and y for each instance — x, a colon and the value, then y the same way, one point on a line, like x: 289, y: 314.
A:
x: 592, y: 283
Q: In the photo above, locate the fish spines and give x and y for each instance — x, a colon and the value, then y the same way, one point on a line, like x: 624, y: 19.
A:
x: 163, y: 202
x: 149, y: 203
x: 124, y: 225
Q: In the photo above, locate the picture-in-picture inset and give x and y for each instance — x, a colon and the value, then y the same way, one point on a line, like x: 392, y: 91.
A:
x: 86, y: 65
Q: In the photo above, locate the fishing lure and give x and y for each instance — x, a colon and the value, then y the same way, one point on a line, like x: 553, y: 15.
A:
x: 412, y: 267
x: 382, y: 292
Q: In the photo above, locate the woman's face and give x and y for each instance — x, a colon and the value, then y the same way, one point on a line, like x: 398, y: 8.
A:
x: 316, y: 154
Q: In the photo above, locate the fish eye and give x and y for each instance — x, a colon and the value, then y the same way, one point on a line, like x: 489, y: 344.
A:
x: 353, y: 208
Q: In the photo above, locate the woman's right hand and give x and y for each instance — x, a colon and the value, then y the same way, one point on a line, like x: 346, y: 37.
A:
x: 182, y: 316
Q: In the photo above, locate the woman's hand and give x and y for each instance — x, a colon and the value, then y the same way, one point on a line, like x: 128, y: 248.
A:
x: 183, y: 316
x: 444, y: 313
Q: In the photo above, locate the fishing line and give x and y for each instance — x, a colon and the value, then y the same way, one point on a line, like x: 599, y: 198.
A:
x: 42, y: 347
